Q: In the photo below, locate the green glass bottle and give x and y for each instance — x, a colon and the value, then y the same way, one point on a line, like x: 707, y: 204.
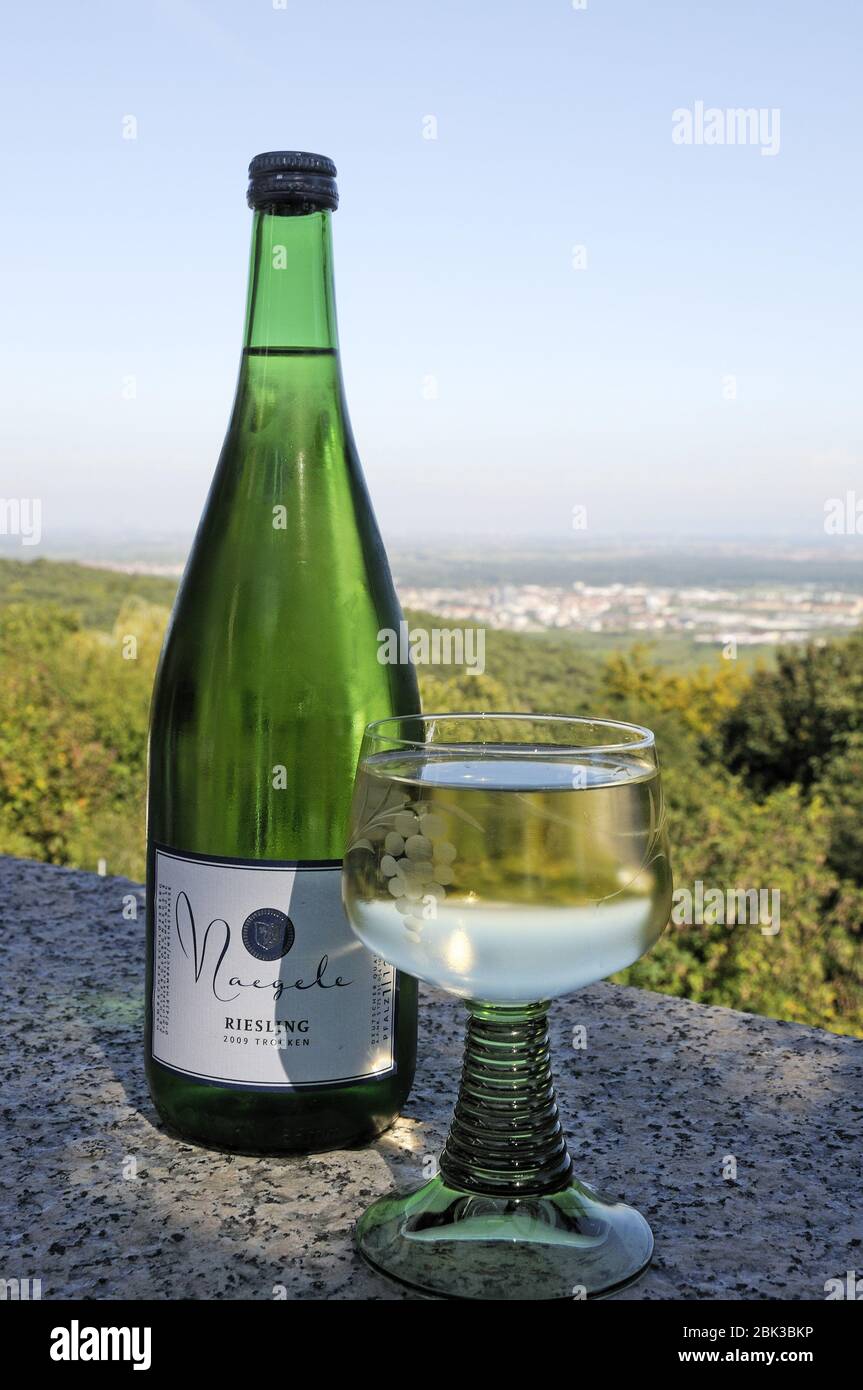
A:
x: 269, y: 1027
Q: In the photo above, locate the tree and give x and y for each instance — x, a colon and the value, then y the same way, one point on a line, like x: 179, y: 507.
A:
x: 73, y: 721
x: 796, y: 718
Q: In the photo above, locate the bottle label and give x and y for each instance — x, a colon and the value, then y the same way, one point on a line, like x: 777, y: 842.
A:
x: 258, y: 979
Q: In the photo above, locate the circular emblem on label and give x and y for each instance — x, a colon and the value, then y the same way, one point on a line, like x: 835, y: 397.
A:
x: 268, y: 933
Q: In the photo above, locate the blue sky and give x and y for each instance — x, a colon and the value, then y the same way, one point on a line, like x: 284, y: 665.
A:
x: 556, y: 387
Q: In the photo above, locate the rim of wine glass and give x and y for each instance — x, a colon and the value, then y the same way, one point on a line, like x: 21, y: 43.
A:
x: 644, y: 737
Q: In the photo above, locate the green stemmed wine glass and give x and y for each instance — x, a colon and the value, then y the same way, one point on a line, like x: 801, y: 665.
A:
x: 507, y: 858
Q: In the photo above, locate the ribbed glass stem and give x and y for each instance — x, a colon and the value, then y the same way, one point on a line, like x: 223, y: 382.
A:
x: 506, y: 1137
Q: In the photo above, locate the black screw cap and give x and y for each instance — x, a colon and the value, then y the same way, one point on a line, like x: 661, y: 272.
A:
x: 292, y: 181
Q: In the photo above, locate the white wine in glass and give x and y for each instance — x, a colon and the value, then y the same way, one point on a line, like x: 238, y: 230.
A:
x: 510, y: 876
x: 507, y: 859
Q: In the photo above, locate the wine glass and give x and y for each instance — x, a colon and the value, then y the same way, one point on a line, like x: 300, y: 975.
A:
x: 507, y: 858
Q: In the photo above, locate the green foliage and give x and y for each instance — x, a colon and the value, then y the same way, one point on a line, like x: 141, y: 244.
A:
x: 809, y: 970
x: 798, y: 717
x: 73, y: 723
x: 841, y: 789
x: 532, y: 671
x: 763, y: 770
x: 734, y: 830
x: 96, y: 595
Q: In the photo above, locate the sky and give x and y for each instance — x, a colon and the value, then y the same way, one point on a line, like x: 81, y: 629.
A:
x: 693, y: 368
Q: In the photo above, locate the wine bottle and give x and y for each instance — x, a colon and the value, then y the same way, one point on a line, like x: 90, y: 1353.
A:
x: 270, y: 1028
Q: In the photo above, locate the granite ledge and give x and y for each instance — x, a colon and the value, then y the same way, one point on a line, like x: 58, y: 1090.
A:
x: 665, y: 1090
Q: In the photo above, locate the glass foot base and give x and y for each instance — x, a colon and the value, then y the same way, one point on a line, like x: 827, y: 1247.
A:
x: 568, y: 1244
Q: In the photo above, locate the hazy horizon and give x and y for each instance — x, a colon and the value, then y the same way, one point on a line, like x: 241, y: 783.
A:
x: 113, y: 538
x: 676, y: 560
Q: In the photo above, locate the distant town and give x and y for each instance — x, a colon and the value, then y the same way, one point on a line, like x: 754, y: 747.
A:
x: 752, y: 594
x: 749, y: 617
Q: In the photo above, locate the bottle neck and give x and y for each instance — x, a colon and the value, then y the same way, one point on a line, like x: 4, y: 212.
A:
x: 291, y: 302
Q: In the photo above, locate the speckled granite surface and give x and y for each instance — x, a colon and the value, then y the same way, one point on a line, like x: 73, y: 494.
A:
x: 664, y: 1092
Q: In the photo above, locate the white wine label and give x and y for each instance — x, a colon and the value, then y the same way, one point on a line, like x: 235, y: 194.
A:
x: 258, y: 979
